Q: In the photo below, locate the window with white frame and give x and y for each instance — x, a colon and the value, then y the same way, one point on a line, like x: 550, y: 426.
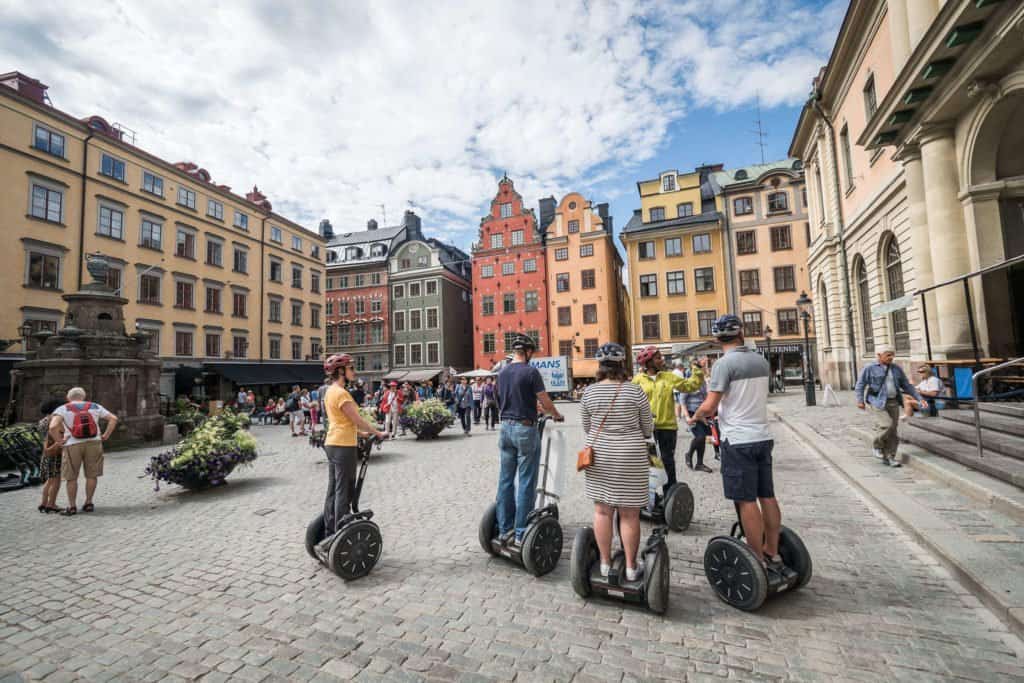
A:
x: 276, y: 235
x: 184, y: 294
x: 214, y: 252
x: 186, y: 197
x: 668, y: 183
x: 487, y: 270
x: 415, y: 319
x: 496, y: 240
x: 149, y: 287
x: 49, y: 141
x: 415, y: 354
x: 152, y: 184
x: 275, y: 348
x: 586, y: 250
x: 399, y: 291
x: 399, y: 355
x: 151, y: 234
x: 562, y: 254
x: 574, y: 226
x: 518, y: 238
x: 46, y: 202
x: 42, y: 267
x: 112, y: 167
x: 296, y: 243
x: 702, y: 243
x: 432, y: 318
x: 213, y: 299
x: 433, y: 353
x: 508, y: 268
x: 431, y: 287
x: 111, y: 221
x: 241, y: 220
x: 530, y: 265
x: 414, y: 289
x: 183, y: 343
x: 215, y: 209
x: 185, y: 244
x: 399, y: 321
x: 506, y: 210
x: 240, y: 260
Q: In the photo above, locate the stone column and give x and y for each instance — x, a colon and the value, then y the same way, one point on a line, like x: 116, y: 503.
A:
x: 920, y: 242
x: 920, y: 14
x: 898, y: 32
x: 947, y: 237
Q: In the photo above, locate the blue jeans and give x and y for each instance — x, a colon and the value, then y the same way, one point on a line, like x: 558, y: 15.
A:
x: 520, y: 452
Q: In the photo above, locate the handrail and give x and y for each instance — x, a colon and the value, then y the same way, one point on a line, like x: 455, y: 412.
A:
x: 981, y: 271
x: 977, y: 399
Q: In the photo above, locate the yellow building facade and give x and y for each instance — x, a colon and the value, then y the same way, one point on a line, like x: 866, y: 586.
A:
x: 679, y: 279
x: 211, y: 275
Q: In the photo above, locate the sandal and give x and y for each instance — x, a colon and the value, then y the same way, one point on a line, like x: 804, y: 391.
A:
x: 88, y: 507
x: 52, y: 509
x: 69, y: 512
x: 43, y: 508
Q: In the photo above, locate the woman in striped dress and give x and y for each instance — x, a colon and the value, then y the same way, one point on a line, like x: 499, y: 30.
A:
x: 617, y: 420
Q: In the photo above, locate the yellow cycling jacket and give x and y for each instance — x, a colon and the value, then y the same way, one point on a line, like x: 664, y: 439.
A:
x: 659, y: 390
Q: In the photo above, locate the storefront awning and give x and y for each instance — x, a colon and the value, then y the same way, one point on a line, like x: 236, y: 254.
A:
x: 395, y: 376
x: 422, y: 375
x: 268, y: 373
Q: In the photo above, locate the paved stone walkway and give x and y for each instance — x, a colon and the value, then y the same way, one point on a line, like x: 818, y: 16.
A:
x: 217, y: 585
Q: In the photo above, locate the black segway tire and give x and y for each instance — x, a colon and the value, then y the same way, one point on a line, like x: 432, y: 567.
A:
x: 542, y: 546
x: 489, y: 529
x: 584, y: 555
x: 795, y: 556
x: 656, y: 582
x: 314, y: 534
x: 355, y: 550
x: 679, y: 507
x: 735, y: 573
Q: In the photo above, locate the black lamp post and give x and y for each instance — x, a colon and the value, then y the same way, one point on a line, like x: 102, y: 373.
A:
x: 768, y: 342
x: 804, y: 306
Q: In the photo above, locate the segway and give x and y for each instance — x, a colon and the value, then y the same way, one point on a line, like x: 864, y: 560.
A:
x: 738, y: 577
x: 355, y: 547
x: 649, y: 589
x: 673, y: 508
x: 541, y: 546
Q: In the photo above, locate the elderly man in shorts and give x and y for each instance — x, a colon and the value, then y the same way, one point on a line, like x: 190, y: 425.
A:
x: 79, y: 420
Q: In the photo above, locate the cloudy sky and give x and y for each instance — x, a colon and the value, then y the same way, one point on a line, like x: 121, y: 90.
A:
x: 337, y: 108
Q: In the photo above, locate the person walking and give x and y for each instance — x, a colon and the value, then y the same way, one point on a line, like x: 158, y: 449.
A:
x: 617, y: 421
x: 478, y: 399
x: 490, y: 404
x: 293, y: 404
x: 464, y: 404
x: 700, y: 430
x: 446, y: 394
x: 391, y: 406
x: 77, y: 423
x: 520, y: 389
x: 881, y: 386
x: 50, y: 460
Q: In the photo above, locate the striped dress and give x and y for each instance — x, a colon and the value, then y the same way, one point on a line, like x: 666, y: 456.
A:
x: 619, y: 474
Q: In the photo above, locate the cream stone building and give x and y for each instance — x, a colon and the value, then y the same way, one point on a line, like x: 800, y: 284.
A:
x: 913, y: 145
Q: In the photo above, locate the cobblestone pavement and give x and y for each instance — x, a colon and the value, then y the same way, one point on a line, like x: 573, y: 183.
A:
x: 216, y: 585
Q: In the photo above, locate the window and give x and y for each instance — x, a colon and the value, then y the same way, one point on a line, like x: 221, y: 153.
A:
x: 375, y: 306
x: 375, y: 279
x: 894, y: 286
x: 668, y: 183
x: 651, y: 326
x: 497, y: 241
x: 360, y: 307
x: 588, y: 280
x: 750, y: 282
x: 487, y: 270
x: 212, y: 345
x: 114, y: 168
x: 702, y: 243
x: 152, y: 184
x: 376, y: 333
x: 296, y: 349
x: 238, y: 304
x: 844, y: 144
x: 508, y: 268
x: 48, y: 141
x: 788, y: 321
x: 586, y: 250
x: 785, y: 278
x: 782, y: 238
x: 415, y: 354
x: 489, y: 346
x: 807, y: 233
x: 562, y: 282
x: 674, y: 246
x: 214, y: 209
x: 275, y: 348
x: 275, y: 271
x: 212, y: 300
x: 531, y: 301
x: 675, y: 282
x: 314, y: 282
x: 649, y: 285
x: 185, y: 245
x: 564, y: 316
x: 150, y: 234
x: 678, y: 325
x: 742, y: 206
x: 508, y: 302
x: 825, y: 318
x: 182, y: 343
x: 239, y: 345
x: 565, y: 347
x: 43, y: 271
x: 399, y: 321
x: 241, y: 220
x: 589, y: 314
x: 870, y: 99
x: 314, y: 317
x: 149, y: 289
x: 343, y: 282
x: 186, y: 197
x: 296, y: 313
x: 704, y: 279
x: 297, y: 277
x: 589, y: 348
x: 487, y: 305
x: 778, y: 201
x: 274, y: 311
x: 562, y: 254
x: 508, y: 341
x: 432, y: 319
x: 240, y: 263
x: 657, y: 214
x: 518, y: 238
x: 214, y: 252
x: 746, y: 242
x: 705, y: 319
x: 574, y: 226
x: 752, y: 324
x: 646, y: 250
x: 422, y: 261
x: 433, y: 353
x: 276, y: 235
x: 685, y: 209
x: 47, y: 203
x: 183, y: 294
x: 403, y: 264
x: 530, y: 265
x: 506, y: 210
x: 414, y: 289
x: 111, y: 222
x: 415, y: 319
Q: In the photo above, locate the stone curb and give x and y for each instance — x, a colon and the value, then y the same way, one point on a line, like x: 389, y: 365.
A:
x: 967, y: 559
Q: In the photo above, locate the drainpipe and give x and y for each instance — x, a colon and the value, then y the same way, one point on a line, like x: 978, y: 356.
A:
x: 81, y: 217
x: 840, y: 231
x: 263, y: 265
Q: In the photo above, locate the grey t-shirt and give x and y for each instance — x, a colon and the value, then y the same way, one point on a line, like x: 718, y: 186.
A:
x: 741, y: 375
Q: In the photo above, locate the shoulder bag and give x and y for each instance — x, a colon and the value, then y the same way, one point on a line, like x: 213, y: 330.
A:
x: 585, y: 458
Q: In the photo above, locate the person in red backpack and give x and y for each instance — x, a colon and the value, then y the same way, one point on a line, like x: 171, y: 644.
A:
x: 79, y: 421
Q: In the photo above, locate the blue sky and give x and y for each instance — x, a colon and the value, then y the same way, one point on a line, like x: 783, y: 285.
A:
x: 334, y: 109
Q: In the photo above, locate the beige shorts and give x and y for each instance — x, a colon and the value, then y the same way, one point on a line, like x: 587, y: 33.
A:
x: 87, y: 453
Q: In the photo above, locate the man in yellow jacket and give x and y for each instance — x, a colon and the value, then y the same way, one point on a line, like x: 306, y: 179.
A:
x: 659, y: 383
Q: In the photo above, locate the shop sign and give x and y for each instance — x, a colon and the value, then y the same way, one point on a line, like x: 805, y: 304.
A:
x: 554, y: 370
x: 781, y: 348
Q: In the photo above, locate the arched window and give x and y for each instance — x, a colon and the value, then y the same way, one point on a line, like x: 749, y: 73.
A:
x: 860, y: 275
x: 894, y: 288
x: 740, y: 175
x: 826, y: 323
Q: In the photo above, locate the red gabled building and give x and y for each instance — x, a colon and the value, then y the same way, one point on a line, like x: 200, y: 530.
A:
x: 509, y: 278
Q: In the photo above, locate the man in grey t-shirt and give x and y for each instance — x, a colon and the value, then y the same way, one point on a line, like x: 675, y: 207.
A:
x: 738, y: 391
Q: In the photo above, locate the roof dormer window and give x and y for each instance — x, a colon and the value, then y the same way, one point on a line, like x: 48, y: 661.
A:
x: 378, y: 250
x: 668, y: 183
x: 740, y: 175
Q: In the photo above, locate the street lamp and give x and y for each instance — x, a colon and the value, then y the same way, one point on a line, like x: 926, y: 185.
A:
x: 803, y: 304
x: 768, y: 341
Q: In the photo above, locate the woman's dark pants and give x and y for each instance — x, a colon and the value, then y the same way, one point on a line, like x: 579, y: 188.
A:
x: 341, y: 484
x: 666, y: 439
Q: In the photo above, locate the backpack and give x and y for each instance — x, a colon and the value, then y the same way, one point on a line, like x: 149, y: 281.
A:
x: 291, y: 405
x: 83, y: 425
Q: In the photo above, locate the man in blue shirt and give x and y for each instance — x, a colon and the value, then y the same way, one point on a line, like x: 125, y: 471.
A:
x: 520, y: 387
x: 881, y: 386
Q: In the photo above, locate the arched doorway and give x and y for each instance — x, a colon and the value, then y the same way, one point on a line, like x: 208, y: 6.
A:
x: 893, y: 273
x: 860, y: 281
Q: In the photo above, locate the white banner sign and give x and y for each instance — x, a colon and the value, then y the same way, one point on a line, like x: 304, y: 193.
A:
x: 554, y: 370
x: 891, y: 306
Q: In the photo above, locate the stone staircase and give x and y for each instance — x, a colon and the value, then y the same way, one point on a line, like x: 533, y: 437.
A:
x: 952, y: 435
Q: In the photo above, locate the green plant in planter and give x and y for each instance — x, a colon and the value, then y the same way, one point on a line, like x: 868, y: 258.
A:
x: 370, y: 415
x: 426, y: 419
x: 207, y: 455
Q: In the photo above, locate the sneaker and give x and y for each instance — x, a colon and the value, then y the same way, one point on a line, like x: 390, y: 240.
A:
x: 635, y: 573
x: 894, y: 461
x: 886, y: 461
x: 775, y: 564
x: 878, y: 454
x: 605, y: 568
x: 507, y: 538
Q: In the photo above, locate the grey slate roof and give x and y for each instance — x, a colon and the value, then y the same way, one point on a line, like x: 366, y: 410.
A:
x: 363, y: 236
x: 636, y: 223
x: 723, y: 179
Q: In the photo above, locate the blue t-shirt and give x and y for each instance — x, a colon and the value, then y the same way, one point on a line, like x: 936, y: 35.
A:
x: 518, y: 386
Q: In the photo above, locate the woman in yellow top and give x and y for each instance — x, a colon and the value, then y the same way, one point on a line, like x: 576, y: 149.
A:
x: 344, y: 424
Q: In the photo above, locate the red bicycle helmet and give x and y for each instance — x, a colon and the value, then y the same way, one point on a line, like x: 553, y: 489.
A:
x: 338, y: 360
x: 646, y: 354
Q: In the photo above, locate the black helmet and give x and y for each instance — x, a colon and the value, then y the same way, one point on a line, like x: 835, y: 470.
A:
x: 611, y: 353
x: 523, y: 342
x: 726, y: 327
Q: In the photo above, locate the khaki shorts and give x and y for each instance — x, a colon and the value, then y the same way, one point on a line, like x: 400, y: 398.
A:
x: 87, y: 453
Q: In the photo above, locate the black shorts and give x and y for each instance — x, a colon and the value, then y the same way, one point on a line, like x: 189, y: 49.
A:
x: 747, y: 470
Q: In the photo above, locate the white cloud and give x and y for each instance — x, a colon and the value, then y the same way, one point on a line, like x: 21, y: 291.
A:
x: 335, y: 109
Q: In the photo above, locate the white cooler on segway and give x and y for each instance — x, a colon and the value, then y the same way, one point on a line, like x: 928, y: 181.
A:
x: 553, y: 474
x: 673, y: 508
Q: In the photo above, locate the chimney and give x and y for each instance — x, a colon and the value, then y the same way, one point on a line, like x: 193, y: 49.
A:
x: 326, y: 230
x: 547, y: 212
x: 636, y: 212
x: 413, y: 225
x: 25, y: 86
x: 602, y: 211
x: 371, y: 224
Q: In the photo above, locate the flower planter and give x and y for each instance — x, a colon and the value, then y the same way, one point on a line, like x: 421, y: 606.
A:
x: 207, y: 455
x: 427, y: 419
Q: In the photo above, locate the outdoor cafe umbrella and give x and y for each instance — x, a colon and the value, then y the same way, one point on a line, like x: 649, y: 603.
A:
x: 473, y: 374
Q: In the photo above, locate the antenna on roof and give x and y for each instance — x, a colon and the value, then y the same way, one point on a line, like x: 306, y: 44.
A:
x: 761, y: 133
x: 384, y: 215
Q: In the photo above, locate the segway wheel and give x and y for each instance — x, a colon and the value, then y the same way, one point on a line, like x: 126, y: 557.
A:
x: 584, y: 555
x: 314, y: 534
x: 542, y: 546
x: 679, y: 507
x: 657, y: 580
x: 355, y: 550
x: 735, y: 573
x: 795, y: 556
x: 489, y: 529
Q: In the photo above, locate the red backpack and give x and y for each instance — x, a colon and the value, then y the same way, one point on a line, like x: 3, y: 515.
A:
x: 83, y: 425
